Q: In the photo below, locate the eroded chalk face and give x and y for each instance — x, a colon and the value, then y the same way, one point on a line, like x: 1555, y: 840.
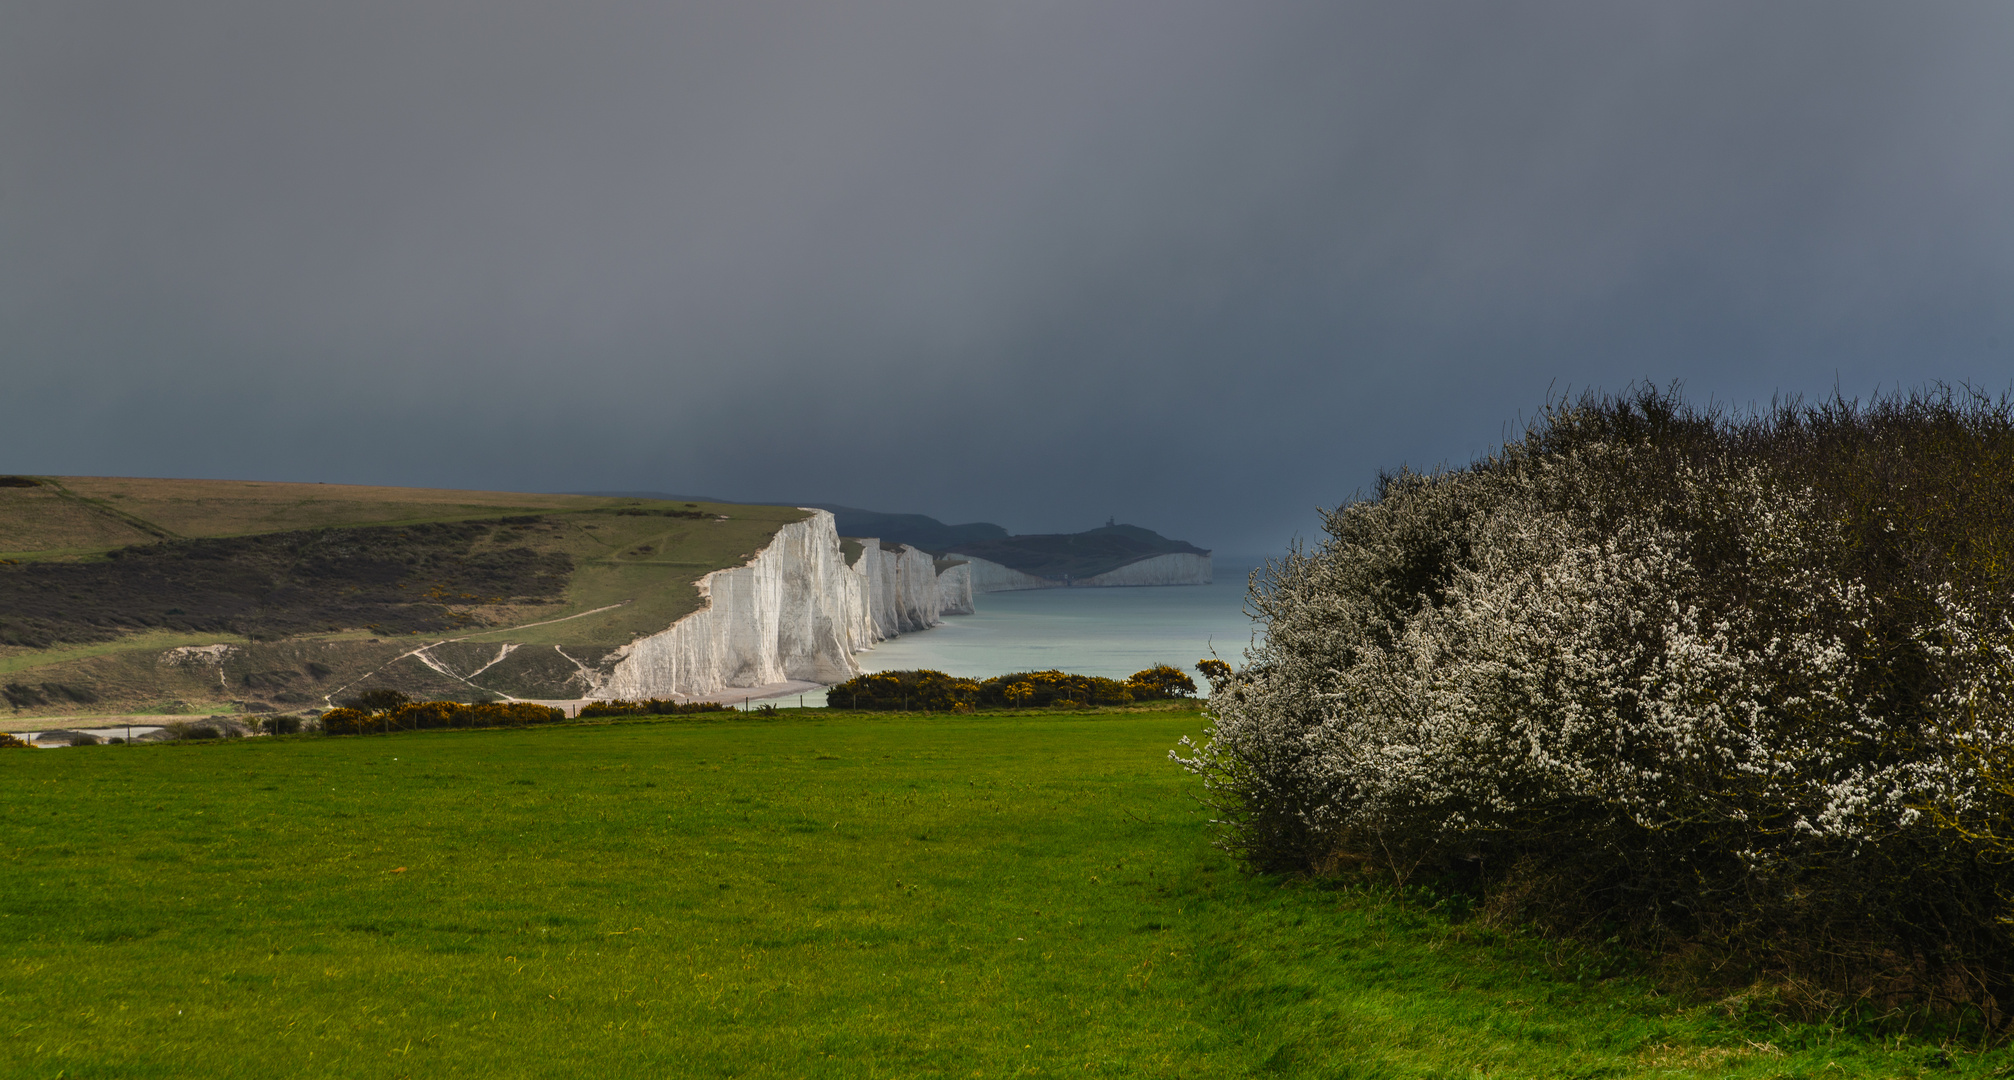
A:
x: 795, y: 613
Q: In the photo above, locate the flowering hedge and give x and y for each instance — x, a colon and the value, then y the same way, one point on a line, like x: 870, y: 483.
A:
x: 1741, y: 681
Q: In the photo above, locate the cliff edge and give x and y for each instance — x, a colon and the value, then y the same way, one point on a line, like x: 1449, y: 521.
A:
x: 797, y: 611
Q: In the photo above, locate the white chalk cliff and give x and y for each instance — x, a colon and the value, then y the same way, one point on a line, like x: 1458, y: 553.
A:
x: 1174, y: 568
x: 954, y: 589
x: 1179, y: 568
x: 796, y: 612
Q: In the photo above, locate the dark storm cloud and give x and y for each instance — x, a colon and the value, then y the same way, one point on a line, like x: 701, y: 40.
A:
x: 1199, y: 266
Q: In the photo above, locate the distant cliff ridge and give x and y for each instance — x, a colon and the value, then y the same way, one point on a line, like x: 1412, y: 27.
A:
x: 1114, y: 555
x: 917, y: 530
x: 1001, y: 562
x: 1180, y: 568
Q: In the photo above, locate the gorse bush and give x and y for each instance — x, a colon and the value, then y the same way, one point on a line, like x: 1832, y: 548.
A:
x: 934, y: 691
x: 1737, y: 682
x: 1038, y: 689
x: 922, y: 690
x: 652, y: 707
x: 377, y: 700
x: 425, y: 715
x: 1162, y: 682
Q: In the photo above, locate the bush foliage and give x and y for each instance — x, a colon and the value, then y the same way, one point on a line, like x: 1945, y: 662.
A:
x: 933, y: 691
x: 652, y: 707
x: 1737, y: 682
x: 423, y: 715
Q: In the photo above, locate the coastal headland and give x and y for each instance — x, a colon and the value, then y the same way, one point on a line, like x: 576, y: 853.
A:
x: 1112, y: 555
x: 146, y: 597
x: 158, y: 598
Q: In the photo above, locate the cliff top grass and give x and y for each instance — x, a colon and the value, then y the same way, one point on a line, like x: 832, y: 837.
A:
x: 809, y: 895
x: 87, y: 514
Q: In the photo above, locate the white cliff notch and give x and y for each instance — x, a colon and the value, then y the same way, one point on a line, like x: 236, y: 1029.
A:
x: 796, y: 612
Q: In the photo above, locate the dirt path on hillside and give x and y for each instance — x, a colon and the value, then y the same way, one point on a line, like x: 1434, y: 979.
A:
x: 421, y: 652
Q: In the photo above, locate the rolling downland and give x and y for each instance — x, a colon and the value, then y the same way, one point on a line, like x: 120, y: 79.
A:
x: 124, y: 596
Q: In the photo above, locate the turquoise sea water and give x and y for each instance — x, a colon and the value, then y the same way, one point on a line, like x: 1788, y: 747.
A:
x: 1108, y: 632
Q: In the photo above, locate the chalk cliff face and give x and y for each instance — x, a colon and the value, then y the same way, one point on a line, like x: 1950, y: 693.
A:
x: 1171, y: 569
x: 954, y: 589
x: 989, y: 576
x: 901, y: 584
x: 796, y: 612
x: 1179, y: 568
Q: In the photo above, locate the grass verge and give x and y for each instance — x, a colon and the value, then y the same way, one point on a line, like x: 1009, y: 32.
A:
x: 846, y: 896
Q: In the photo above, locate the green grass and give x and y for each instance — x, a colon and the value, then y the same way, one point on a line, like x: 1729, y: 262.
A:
x: 817, y: 895
x: 656, y: 588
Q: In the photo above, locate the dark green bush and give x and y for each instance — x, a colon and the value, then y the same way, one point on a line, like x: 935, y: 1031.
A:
x: 376, y: 700
x: 652, y: 707
x: 919, y: 691
x: 934, y: 691
x: 431, y: 715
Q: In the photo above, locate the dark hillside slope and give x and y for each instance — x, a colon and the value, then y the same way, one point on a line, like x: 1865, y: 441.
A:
x: 916, y: 530
x: 1077, y: 555
x: 391, y: 578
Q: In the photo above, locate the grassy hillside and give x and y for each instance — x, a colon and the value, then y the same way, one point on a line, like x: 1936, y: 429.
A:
x: 83, y: 514
x: 315, y: 587
x: 819, y: 895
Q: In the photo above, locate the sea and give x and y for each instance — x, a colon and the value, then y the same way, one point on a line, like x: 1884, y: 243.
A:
x: 1108, y: 632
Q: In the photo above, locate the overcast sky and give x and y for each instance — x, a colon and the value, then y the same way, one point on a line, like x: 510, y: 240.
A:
x: 1203, y: 267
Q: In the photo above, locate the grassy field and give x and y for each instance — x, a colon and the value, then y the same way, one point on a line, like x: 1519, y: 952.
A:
x: 814, y: 895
